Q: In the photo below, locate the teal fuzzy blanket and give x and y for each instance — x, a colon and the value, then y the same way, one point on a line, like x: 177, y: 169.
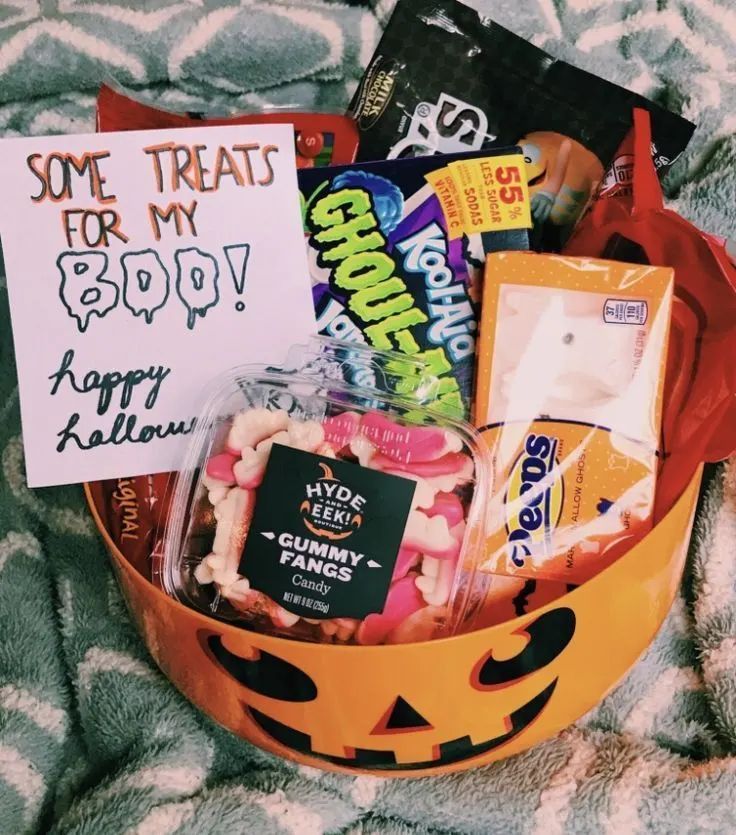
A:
x: 93, y: 739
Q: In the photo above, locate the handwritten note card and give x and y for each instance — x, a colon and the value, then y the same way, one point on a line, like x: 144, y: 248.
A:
x: 141, y: 265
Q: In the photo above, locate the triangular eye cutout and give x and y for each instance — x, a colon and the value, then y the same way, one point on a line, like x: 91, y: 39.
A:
x: 400, y: 718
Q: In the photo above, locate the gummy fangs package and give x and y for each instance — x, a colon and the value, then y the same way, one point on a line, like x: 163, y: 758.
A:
x: 317, y: 510
x: 396, y: 252
x: 570, y: 378
x: 445, y: 79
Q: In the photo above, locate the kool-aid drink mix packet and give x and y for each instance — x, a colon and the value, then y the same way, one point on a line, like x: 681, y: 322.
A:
x: 445, y: 79
x: 396, y: 250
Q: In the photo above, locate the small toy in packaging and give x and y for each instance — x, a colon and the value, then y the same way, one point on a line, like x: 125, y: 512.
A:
x: 570, y: 381
x: 396, y: 250
x: 320, y: 138
x: 318, y: 510
x: 445, y: 79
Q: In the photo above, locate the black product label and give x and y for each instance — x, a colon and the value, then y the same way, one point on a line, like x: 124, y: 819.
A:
x: 376, y: 92
x: 325, y: 534
x: 445, y: 78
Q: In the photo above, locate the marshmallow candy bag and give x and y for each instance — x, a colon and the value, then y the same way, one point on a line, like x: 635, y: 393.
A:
x: 315, y: 509
x: 700, y: 394
x: 570, y: 382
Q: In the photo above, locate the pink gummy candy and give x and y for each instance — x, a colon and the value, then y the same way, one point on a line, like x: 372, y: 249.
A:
x: 404, y: 443
x: 403, y: 599
x: 220, y: 467
x: 448, y: 464
x: 449, y: 506
x: 341, y: 429
x: 406, y: 560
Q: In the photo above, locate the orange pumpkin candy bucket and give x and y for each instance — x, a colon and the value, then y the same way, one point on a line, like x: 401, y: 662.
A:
x: 425, y: 708
x: 438, y: 706
x: 408, y: 709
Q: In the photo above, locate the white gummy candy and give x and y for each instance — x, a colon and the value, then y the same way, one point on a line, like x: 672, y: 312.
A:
x: 306, y: 435
x: 250, y: 428
x: 428, y: 535
x: 362, y: 449
x: 217, y: 494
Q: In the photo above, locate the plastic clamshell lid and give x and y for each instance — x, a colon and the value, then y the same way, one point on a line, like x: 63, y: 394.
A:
x: 332, y: 406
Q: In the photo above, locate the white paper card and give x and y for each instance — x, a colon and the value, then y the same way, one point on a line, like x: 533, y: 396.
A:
x: 140, y: 265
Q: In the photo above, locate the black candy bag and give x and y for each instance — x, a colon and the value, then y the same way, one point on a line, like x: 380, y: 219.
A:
x: 445, y: 79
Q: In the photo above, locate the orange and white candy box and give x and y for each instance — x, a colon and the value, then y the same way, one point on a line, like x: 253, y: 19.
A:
x: 569, y: 401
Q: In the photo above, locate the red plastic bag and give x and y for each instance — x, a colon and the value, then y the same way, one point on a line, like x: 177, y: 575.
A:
x: 700, y: 394
x: 321, y: 138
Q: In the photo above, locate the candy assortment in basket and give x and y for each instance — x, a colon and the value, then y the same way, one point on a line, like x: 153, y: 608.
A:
x: 480, y: 430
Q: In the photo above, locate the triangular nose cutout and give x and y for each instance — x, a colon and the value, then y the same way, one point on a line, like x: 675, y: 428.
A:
x: 399, y: 718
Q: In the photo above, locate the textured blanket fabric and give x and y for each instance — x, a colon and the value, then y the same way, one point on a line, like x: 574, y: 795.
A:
x: 93, y: 739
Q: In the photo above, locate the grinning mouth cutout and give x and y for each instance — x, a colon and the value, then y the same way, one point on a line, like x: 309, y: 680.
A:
x: 445, y: 753
x: 535, y: 181
x: 268, y: 675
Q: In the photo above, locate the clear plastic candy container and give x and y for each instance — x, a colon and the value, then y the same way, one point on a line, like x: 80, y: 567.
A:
x: 326, y: 501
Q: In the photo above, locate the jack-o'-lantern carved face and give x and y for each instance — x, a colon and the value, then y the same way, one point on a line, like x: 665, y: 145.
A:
x: 395, y: 729
x: 424, y: 708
